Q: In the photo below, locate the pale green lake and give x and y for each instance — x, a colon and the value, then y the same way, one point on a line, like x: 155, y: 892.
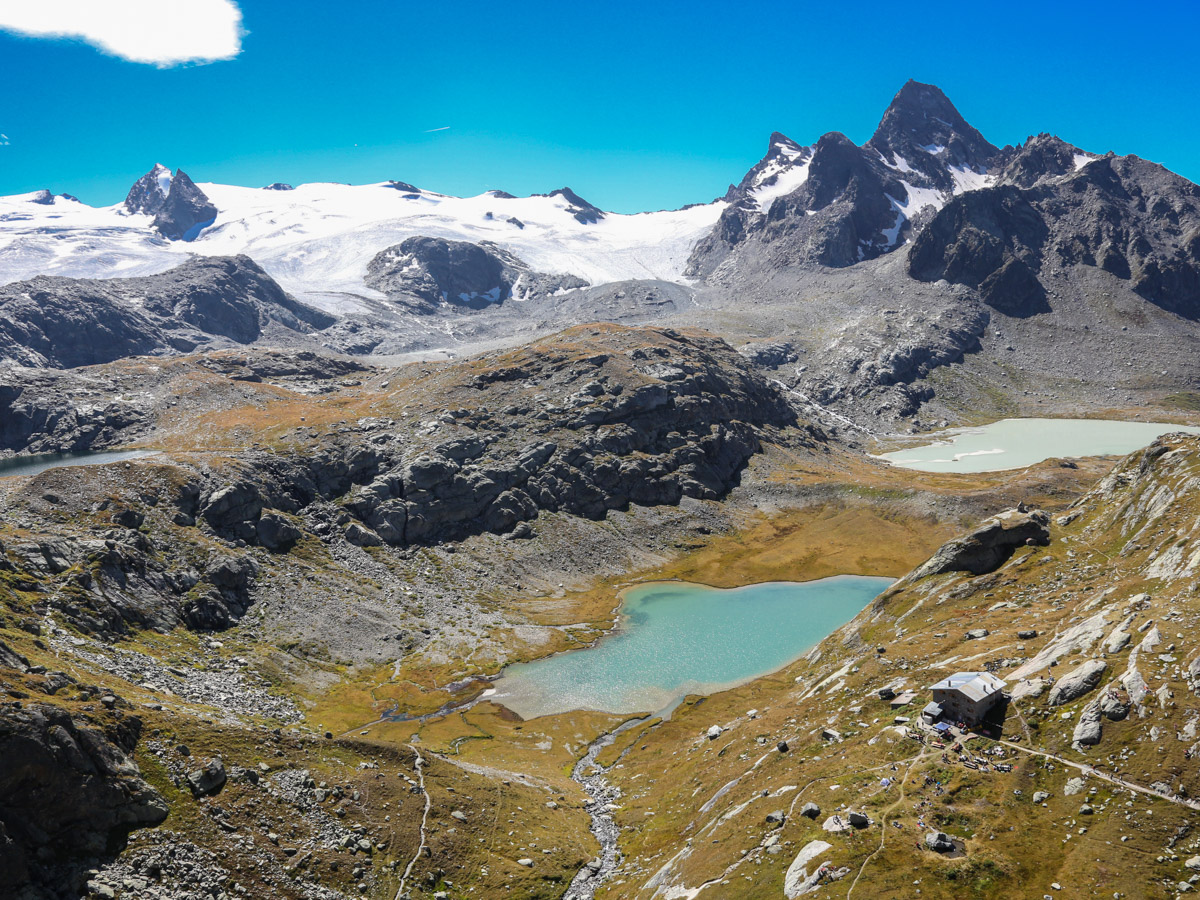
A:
x: 1015, y: 443
x: 32, y: 464
x: 676, y: 639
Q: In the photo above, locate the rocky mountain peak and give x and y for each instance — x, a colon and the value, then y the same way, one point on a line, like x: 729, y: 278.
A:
x: 1041, y: 156
x: 585, y: 212
x: 184, y: 211
x: 779, y: 144
x: 921, y: 124
x: 783, y: 156
x: 149, y: 192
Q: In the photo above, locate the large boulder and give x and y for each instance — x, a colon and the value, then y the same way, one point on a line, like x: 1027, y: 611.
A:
x: 11, y: 659
x: 1079, y: 681
x: 939, y: 842
x: 1087, y: 730
x: 1115, y: 704
x: 208, y: 779
x: 990, y: 545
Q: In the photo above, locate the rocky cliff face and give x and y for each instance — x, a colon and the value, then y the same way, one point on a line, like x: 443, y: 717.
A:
x: 180, y: 209
x: 185, y: 210
x: 69, y: 794
x: 1131, y: 218
x: 852, y: 203
x: 69, y: 322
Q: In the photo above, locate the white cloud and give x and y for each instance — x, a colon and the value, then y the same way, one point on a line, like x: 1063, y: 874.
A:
x: 160, y: 32
x: 4, y: 141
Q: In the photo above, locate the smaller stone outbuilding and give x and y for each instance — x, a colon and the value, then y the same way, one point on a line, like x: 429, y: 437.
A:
x: 968, y: 696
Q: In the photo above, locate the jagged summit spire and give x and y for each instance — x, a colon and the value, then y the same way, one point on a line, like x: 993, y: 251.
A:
x: 150, y: 191
x: 921, y: 123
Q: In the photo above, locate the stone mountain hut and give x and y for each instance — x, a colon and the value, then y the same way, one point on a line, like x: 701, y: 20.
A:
x: 967, y: 696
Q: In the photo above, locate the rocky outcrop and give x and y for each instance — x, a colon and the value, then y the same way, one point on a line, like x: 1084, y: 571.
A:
x: 990, y: 546
x: 583, y: 212
x: 69, y: 794
x: 149, y: 192
x: 990, y: 239
x: 69, y: 322
x: 1079, y: 681
x: 640, y: 416
x: 1087, y: 730
x: 424, y: 273
x: 11, y: 659
x: 185, y: 211
x: 1131, y: 218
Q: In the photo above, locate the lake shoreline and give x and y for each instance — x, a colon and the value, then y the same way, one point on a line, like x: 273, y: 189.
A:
x: 681, y: 636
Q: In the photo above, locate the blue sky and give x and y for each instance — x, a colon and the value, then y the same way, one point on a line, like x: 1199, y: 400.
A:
x: 635, y: 105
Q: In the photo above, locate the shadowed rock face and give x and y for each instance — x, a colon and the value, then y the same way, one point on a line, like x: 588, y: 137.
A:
x: 149, y: 192
x: 69, y: 794
x: 69, y: 322
x: 426, y: 272
x: 185, y: 211
x: 848, y: 208
x: 924, y: 128
x: 1131, y: 218
x: 180, y: 209
x: 990, y: 546
x: 990, y: 239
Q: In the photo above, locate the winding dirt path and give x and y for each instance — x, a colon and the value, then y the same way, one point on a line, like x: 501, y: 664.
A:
x: 1104, y: 776
x: 419, y: 763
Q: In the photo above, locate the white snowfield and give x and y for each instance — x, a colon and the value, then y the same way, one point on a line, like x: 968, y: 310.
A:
x: 317, y: 240
x: 786, y: 172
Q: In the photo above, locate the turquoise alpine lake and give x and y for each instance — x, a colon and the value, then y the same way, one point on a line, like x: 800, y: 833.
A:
x: 39, y: 462
x: 675, y: 639
x: 1014, y: 443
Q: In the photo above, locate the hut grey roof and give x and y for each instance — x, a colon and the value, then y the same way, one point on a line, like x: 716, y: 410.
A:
x: 972, y: 685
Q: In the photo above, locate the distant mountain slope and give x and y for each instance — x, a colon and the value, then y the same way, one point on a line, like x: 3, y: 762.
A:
x: 66, y: 322
x: 317, y: 240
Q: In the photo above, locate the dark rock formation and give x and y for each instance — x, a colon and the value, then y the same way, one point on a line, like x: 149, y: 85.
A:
x: 583, y: 212
x: 644, y: 416
x: 990, y: 239
x: 149, y: 192
x: 426, y: 272
x: 922, y: 127
x: 208, y: 779
x: 68, y: 322
x: 851, y: 207
x: 1131, y: 218
x: 11, y: 659
x: 185, y: 211
x: 990, y: 545
x: 69, y: 795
